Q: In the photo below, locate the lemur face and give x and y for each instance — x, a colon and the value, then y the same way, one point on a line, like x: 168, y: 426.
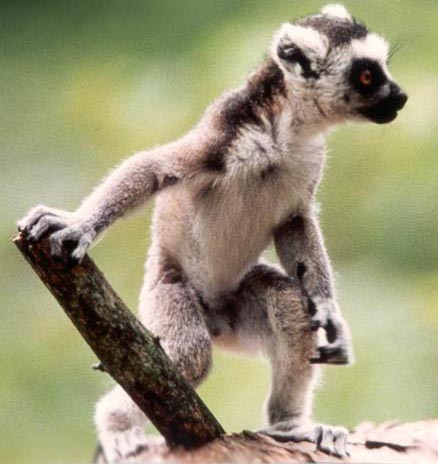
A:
x: 340, y: 65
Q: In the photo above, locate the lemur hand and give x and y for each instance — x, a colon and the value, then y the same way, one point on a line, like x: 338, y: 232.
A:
x: 64, y: 228
x: 339, y: 350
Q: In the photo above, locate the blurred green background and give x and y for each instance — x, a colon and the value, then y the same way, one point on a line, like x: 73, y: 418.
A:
x: 86, y: 83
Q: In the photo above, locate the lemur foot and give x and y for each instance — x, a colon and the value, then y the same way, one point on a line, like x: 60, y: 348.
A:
x: 339, y: 349
x: 329, y: 439
x: 123, y: 446
x: 65, y: 228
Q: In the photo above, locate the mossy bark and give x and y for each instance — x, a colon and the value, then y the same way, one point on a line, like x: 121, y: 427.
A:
x: 127, y: 351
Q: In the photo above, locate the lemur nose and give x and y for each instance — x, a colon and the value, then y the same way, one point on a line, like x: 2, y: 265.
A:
x: 398, y: 96
x: 400, y: 99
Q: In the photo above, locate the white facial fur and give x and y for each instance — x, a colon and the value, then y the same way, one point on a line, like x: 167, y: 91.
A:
x: 372, y: 46
x: 330, y: 62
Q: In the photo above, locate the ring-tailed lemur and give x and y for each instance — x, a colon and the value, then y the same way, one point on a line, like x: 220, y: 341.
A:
x: 246, y: 174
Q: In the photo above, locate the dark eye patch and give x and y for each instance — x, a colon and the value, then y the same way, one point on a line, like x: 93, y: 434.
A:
x: 378, y: 77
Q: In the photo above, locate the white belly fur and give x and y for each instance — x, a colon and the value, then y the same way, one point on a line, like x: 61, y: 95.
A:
x: 223, y: 233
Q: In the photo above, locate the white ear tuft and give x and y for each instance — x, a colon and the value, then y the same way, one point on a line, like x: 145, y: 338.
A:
x: 299, y: 49
x: 307, y: 39
x: 337, y: 11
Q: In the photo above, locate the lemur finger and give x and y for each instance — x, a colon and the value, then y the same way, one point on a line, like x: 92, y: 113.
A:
x: 34, y: 215
x: 57, y: 240
x: 325, y: 358
x: 331, y: 329
x: 82, y: 247
x: 26, y: 224
x: 45, y: 224
x: 318, y: 320
x: 320, y: 317
x: 331, y: 354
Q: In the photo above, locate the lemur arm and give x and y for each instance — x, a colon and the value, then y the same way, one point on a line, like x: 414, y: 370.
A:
x: 300, y: 248
x: 131, y: 184
x: 127, y: 187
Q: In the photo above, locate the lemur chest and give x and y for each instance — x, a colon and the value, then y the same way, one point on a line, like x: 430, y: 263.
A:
x: 235, y: 215
x: 285, y: 164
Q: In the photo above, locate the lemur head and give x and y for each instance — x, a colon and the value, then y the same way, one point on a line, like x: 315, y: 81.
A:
x: 339, y: 67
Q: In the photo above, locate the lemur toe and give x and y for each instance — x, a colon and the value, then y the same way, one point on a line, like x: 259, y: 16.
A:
x: 329, y: 439
x: 122, y: 446
x: 332, y: 440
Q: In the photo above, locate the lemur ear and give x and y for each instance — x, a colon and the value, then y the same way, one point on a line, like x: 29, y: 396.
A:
x: 336, y: 11
x: 298, y: 49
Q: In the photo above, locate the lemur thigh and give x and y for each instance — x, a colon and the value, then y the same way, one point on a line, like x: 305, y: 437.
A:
x: 169, y: 312
x: 271, y: 309
x: 300, y: 248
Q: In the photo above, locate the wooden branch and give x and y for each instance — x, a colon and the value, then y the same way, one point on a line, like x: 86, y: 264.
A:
x: 135, y: 359
x: 127, y: 351
x: 415, y: 443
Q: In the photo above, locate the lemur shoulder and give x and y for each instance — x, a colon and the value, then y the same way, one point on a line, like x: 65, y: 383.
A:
x: 247, y: 174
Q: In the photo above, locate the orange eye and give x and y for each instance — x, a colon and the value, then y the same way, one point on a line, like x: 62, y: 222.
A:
x: 366, y: 77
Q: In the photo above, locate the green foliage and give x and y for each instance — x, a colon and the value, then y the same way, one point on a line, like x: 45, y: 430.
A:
x: 85, y: 84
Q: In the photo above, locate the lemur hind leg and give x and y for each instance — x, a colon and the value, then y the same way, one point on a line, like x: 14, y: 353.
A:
x: 169, y: 312
x: 269, y: 307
